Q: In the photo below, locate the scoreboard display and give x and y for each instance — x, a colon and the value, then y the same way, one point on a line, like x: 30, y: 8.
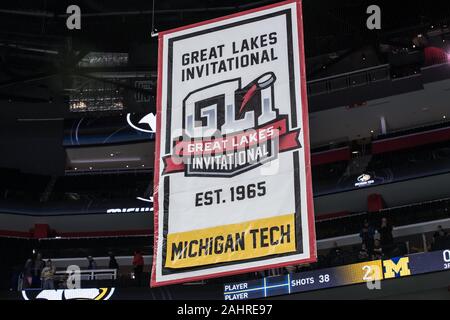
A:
x: 370, y: 271
x: 429, y: 262
x: 305, y: 281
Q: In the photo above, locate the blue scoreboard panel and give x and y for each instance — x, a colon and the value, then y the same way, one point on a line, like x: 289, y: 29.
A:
x: 370, y: 271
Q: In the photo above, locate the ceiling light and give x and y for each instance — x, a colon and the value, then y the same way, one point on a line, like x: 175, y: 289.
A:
x: 106, y: 160
x: 355, y: 152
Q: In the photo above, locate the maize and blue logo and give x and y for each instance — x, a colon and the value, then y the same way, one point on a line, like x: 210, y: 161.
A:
x: 396, y: 267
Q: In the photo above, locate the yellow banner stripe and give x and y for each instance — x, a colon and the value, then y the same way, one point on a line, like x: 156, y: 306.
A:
x: 247, y: 240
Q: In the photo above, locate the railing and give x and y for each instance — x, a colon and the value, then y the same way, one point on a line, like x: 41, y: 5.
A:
x: 102, y: 262
x: 403, y: 217
x: 97, y: 274
x: 423, y: 128
x: 348, y: 80
x: 402, y: 231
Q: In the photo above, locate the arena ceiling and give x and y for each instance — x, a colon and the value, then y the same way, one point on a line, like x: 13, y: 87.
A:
x: 37, y: 50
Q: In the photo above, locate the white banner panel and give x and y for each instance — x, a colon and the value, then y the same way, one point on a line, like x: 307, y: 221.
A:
x: 232, y: 164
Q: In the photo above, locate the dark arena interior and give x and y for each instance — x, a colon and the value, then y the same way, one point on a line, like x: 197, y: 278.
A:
x: 85, y: 168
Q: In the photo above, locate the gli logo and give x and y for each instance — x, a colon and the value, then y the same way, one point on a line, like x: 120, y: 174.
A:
x: 228, y: 129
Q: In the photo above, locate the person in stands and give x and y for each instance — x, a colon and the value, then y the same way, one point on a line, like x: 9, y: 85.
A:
x: 39, y: 264
x: 112, y: 262
x: 48, y: 275
x: 92, y: 265
x: 28, y: 272
x: 439, y: 239
x: 386, y: 237
x: 367, y: 235
x: 363, y: 255
x: 290, y: 269
x: 138, y: 264
x: 377, y: 250
x: 335, y: 255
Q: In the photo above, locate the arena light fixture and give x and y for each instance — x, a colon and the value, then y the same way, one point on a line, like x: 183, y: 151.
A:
x: 106, y: 160
x: 88, y: 95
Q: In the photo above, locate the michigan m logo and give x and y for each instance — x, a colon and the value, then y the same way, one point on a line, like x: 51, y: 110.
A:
x: 396, y: 267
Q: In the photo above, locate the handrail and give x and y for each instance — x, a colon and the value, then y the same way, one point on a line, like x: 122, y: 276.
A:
x: 385, y: 209
x: 92, y: 273
x: 341, y: 75
x: 400, y: 231
x: 418, y: 129
x: 330, y: 85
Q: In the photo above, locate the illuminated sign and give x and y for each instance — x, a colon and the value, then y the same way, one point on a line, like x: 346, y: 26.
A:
x: 129, y: 210
x: 305, y: 281
x: 364, y: 180
x: 339, y: 276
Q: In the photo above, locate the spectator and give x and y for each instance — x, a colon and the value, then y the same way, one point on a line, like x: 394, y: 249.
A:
x: 377, y: 250
x: 367, y: 236
x: 138, y: 263
x: 291, y: 269
x: 92, y: 265
x: 439, y: 239
x: 275, y: 272
x: 335, y: 255
x: 376, y: 235
x: 36, y: 271
x: 48, y: 275
x: 440, y: 232
x: 113, y: 262
x: 16, y: 277
x: 386, y: 237
x: 28, y: 272
x: 363, y: 255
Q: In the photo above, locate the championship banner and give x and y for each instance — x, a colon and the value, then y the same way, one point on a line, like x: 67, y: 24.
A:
x: 232, y: 163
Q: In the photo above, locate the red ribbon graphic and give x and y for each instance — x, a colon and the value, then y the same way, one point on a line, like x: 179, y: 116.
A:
x: 288, y: 140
